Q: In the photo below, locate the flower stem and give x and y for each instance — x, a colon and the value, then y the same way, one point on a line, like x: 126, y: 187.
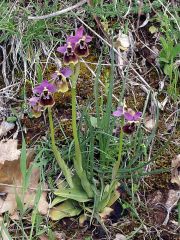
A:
x: 66, y: 171
x: 78, y: 155
x: 118, y: 162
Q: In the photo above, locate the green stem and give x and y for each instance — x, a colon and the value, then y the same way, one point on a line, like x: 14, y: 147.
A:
x: 78, y: 155
x: 66, y: 171
x: 118, y: 163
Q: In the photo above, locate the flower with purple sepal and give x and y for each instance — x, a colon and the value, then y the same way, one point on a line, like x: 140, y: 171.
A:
x: 68, y: 51
x: 45, y: 90
x: 81, y: 41
x: 132, y: 116
x: 128, y: 114
x: 45, y: 85
x: 33, y: 101
x: 119, y: 112
x: 60, y: 79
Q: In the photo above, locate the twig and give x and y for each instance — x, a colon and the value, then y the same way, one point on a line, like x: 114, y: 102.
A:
x: 54, y: 14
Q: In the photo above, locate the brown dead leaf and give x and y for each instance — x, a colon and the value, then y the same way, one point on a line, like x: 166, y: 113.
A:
x: 9, y: 151
x: 10, y: 163
x: 57, y: 235
x: 160, y: 205
x: 43, y: 237
x: 11, y: 180
x: 175, y: 172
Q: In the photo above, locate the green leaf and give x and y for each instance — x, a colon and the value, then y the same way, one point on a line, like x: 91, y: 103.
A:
x: 114, y: 196
x: 163, y: 59
x: 57, y: 200
x: 164, y: 43
x: 93, y: 121
x: 72, y: 193
x: 168, y: 69
x: 11, y: 119
x: 20, y: 205
x: 175, y: 50
x: 105, y: 198
x: 39, y: 73
x: 69, y: 208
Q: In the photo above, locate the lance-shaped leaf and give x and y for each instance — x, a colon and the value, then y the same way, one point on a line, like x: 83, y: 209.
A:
x: 73, y: 193
x: 69, y: 208
x: 57, y: 200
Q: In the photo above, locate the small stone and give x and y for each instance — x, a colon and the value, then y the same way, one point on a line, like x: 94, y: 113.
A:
x: 120, y: 237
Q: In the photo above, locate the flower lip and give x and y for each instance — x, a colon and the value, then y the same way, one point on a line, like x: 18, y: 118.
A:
x: 44, y: 86
x: 129, y: 128
x: 70, y: 58
x: 36, y: 108
x: 69, y: 55
x: 59, y: 78
x: 81, y: 49
x: 46, y: 99
x: 62, y: 85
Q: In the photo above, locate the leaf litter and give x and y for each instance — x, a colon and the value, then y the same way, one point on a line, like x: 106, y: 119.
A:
x: 161, y: 202
x: 11, y: 180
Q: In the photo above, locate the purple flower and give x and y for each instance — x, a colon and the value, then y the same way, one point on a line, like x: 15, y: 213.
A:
x: 132, y: 116
x: 80, y: 40
x: 45, y: 85
x: 60, y: 80
x: 69, y: 55
x: 79, y: 35
x: 128, y: 114
x: 36, y: 108
x: 45, y: 90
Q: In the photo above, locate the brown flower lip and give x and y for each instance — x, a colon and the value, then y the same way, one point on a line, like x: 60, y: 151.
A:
x: 81, y: 48
x: 36, y: 112
x: 46, y: 99
x: 129, y: 128
x: 70, y: 56
x: 61, y: 84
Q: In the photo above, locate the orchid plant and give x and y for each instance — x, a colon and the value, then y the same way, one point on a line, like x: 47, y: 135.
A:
x: 77, y: 189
